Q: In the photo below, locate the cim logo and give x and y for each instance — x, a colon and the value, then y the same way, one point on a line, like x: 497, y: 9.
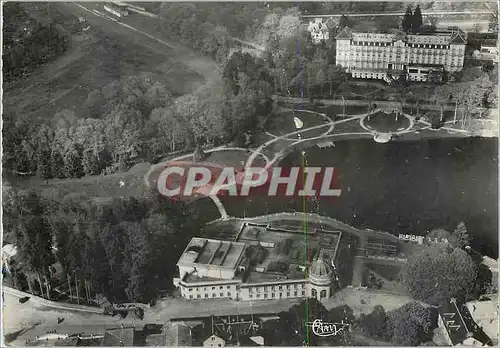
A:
x: 321, y: 329
x: 187, y: 180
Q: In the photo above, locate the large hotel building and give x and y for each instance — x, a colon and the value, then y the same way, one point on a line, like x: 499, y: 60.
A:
x: 387, y: 56
x: 264, y: 263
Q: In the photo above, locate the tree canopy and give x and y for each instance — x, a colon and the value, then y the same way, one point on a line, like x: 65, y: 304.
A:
x: 436, y: 274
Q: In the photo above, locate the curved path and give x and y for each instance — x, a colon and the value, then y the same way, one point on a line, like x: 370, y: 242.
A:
x: 285, y: 137
x: 398, y: 132
x: 280, y: 154
x: 328, y: 121
x: 215, y: 199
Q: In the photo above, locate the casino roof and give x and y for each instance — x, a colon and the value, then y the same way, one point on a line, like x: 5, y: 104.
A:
x: 203, y: 251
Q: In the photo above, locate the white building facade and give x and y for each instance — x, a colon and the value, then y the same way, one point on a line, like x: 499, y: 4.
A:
x: 387, y: 56
x: 208, y: 281
x: 319, y: 30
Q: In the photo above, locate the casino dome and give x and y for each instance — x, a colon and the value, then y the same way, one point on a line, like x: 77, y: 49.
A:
x: 321, y: 272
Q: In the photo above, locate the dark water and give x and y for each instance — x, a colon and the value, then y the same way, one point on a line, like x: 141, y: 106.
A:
x: 404, y: 187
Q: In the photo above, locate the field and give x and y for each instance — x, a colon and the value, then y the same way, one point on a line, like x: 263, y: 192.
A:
x: 100, y: 187
x: 104, y: 53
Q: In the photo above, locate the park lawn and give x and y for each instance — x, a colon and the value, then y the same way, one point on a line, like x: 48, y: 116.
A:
x: 283, y: 123
x: 102, y: 188
x: 385, y: 123
x: 351, y: 126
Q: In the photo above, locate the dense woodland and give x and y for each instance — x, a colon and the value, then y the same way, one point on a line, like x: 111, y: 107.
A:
x: 126, y: 248
x: 27, y: 44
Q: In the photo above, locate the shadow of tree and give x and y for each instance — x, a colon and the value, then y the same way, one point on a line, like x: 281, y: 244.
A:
x: 10, y: 337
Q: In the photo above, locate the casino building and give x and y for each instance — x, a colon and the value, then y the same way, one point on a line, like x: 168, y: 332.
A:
x: 387, y: 56
x: 264, y: 263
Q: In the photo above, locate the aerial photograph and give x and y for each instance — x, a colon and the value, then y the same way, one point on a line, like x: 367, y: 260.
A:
x: 250, y: 173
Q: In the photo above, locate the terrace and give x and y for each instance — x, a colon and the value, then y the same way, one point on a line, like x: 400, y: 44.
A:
x: 212, y: 252
x: 287, y: 251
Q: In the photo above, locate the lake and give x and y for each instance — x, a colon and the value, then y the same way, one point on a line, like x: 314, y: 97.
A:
x: 403, y: 187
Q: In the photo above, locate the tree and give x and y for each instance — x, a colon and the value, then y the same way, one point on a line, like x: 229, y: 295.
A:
x: 44, y: 167
x: 57, y: 165
x: 460, y: 238
x: 406, y: 24
x: 289, y: 24
x: 440, y: 234
x: 320, y: 79
x: 373, y: 324
x: 94, y: 104
x: 343, y: 22
x: 409, y: 325
x: 434, y: 22
x: 24, y: 216
x: 157, y: 96
x: 493, y: 23
x: 416, y: 22
x: 90, y: 162
x: 436, y: 274
x: 73, y: 163
x: 341, y: 314
x: 199, y: 155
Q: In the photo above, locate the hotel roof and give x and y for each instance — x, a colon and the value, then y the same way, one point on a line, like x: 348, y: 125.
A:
x: 202, y: 251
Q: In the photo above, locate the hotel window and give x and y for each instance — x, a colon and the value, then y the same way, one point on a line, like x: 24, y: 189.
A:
x: 198, y: 296
x: 206, y: 295
x: 265, y: 295
x: 250, y: 296
x: 250, y: 289
x: 258, y: 295
x: 213, y: 287
x: 288, y: 287
x: 221, y: 294
x: 273, y: 295
x: 281, y: 287
x: 190, y: 289
x: 288, y: 294
x: 228, y: 294
x: 295, y: 293
x: 190, y: 296
x: 221, y: 287
x: 228, y: 286
x: 303, y: 293
x: 213, y: 295
x: 295, y: 286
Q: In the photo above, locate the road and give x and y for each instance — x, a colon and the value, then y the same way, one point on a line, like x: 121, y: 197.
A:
x: 388, y: 14
x: 28, y: 320
x: 37, y: 319
x: 354, y: 102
